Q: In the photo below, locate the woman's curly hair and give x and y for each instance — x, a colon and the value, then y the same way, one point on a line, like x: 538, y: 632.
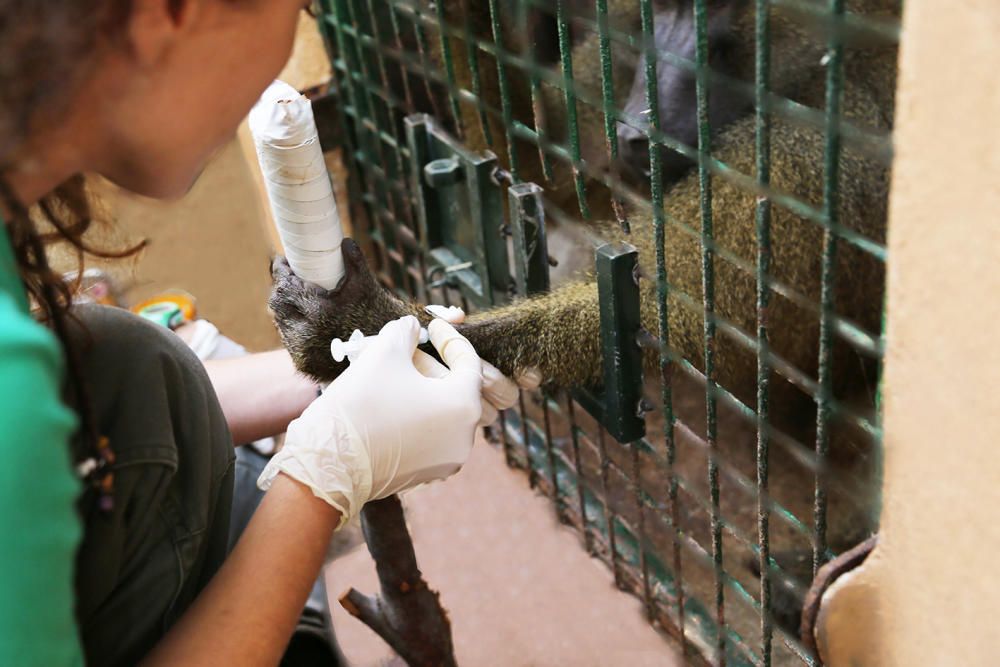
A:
x: 46, y: 49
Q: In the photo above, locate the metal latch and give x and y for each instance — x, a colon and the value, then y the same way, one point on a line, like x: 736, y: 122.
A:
x: 460, y: 213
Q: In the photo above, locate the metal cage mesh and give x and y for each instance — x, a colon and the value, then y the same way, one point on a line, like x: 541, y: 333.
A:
x: 687, y: 517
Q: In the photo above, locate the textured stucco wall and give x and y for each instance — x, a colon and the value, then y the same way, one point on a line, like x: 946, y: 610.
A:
x: 929, y: 595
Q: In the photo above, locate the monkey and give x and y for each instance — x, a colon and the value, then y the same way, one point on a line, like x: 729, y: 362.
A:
x: 675, y: 34
x: 558, y: 333
x: 798, y: 159
x: 731, y: 60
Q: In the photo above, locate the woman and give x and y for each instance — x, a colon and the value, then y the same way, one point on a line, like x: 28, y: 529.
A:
x: 127, y: 566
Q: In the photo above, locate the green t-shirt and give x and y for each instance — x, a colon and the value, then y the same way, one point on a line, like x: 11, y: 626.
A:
x: 39, y: 528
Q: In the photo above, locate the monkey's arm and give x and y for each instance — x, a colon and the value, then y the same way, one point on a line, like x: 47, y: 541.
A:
x: 557, y: 333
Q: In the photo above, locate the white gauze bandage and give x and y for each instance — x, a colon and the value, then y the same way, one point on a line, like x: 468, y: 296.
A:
x: 298, y: 185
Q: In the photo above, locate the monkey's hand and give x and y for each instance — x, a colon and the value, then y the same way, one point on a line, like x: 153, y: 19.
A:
x: 553, y: 337
x: 308, y: 317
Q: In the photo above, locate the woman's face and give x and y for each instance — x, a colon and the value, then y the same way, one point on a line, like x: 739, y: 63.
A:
x: 163, y: 102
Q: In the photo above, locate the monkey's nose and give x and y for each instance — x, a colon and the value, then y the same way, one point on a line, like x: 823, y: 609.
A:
x: 627, y: 133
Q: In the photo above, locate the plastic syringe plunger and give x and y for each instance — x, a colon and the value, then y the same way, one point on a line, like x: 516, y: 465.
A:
x: 353, y: 346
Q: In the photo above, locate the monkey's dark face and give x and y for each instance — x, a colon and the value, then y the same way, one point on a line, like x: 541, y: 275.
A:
x: 308, y: 317
x: 675, y: 36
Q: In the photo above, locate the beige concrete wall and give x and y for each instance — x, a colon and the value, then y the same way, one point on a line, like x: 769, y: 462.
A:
x: 210, y: 243
x: 309, y: 66
x: 929, y: 595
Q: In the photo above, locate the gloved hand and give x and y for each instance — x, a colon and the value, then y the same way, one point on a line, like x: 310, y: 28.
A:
x: 308, y: 317
x: 499, y: 391
x: 383, y: 427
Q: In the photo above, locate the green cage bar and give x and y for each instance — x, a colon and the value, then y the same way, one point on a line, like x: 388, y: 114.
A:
x: 762, y: 147
x: 834, y: 90
x: 449, y: 68
x: 508, y: 120
x: 708, y: 291
x: 566, y: 58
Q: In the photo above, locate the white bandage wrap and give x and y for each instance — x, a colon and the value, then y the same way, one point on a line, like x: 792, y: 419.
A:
x: 298, y: 185
x: 329, y: 458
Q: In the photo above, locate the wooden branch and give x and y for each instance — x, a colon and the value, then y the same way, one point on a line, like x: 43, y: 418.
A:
x: 825, y: 578
x: 407, y: 614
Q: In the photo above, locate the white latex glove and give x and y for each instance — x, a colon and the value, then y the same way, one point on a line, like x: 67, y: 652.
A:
x: 383, y: 427
x: 499, y: 392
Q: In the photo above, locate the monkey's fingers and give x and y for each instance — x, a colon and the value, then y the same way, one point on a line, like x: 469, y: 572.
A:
x: 497, y: 388
x: 529, y: 379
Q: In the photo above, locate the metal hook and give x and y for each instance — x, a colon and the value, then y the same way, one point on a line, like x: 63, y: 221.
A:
x: 446, y: 271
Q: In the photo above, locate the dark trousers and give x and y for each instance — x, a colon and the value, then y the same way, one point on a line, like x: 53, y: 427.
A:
x: 140, y: 566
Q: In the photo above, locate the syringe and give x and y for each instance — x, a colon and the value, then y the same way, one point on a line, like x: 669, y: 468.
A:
x: 352, y: 347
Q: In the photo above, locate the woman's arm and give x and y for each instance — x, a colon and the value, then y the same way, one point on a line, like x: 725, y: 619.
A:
x: 260, y: 394
x: 347, y: 448
x: 249, y: 610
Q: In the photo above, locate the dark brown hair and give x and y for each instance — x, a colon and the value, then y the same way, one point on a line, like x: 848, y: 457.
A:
x: 46, y: 50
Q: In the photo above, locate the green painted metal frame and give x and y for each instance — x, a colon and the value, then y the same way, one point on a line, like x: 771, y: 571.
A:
x: 396, y: 187
x: 464, y: 234
x: 531, y: 248
x: 618, y: 290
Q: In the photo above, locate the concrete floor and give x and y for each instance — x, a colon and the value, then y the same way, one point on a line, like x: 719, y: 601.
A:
x: 519, y: 588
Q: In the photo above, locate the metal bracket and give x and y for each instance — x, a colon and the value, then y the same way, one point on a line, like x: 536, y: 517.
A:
x: 531, y: 250
x: 460, y: 212
x: 461, y: 220
x: 618, y: 404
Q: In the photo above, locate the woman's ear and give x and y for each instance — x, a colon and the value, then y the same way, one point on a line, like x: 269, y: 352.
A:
x: 155, y: 25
